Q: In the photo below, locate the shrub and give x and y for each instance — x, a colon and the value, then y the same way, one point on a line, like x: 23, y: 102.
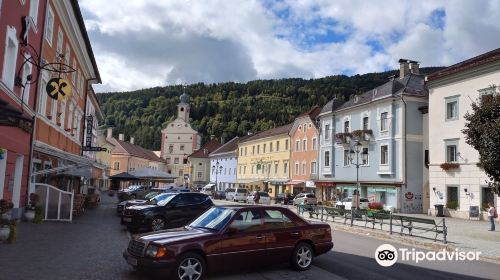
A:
x: 452, y: 204
x: 38, y: 215
x: 376, y: 205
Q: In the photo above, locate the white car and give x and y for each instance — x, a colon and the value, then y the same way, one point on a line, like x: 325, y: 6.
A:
x: 305, y: 198
x: 347, y: 202
x: 240, y: 194
x: 264, y: 198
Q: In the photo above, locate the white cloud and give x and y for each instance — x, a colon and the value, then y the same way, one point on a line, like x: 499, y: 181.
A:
x: 149, y: 43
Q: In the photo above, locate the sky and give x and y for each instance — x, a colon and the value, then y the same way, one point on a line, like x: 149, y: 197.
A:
x: 147, y: 43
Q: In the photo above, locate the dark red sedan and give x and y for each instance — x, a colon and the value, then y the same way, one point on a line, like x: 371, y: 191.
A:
x: 229, y: 238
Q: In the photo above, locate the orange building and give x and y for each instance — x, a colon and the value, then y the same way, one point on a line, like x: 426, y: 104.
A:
x: 59, y: 124
x: 304, y: 153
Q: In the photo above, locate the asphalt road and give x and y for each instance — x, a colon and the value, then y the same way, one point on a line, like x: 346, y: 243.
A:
x: 91, y: 247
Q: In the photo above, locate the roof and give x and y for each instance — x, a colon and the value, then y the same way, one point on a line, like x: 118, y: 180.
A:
x: 230, y: 146
x: 85, y: 35
x: 150, y: 173
x: 312, y: 113
x: 122, y: 147
x: 331, y: 106
x: 270, y: 132
x: 124, y: 176
x: 206, y: 149
x: 476, y: 61
x: 411, y: 84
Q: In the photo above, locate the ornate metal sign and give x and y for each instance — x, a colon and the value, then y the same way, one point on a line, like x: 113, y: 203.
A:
x: 58, y: 88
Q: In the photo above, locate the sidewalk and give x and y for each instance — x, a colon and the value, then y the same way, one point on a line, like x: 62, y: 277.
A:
x: 469, y: 235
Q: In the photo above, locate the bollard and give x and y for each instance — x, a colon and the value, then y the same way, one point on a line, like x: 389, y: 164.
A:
x: 390, y: 222
x: 445, y: 231
x: 352, y: 216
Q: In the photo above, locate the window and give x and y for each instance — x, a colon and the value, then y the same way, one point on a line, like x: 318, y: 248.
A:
x: 182, y: 148
x: 34, y: 11
x: 327, y: 159
x: 185, y: 161
x: 304, y: 145
x: 365, y: 123
x: 304, y: 168
x: 247, y: 221
x: 297, y: 145
x: 451, y: 152
x: 286, y: 144
x: 346, y: 126
x: 452, y: 108
x: 49, y: 25
x: 245, y: 151
x: 277, y: 146
x: 253, y: 150
x: 180, y: 173
x: 347, y: 158
x: 315, y: 144
x: 53, y: 108
x: 116, y: 165
x: 73, y: 74
x: 313, y: 167
x: 63, y: 113
x: 253, y: 167
x: 9, y: 64
x: 59, y: 41
x: 276, y: 168
x: 258, y: 149
x: 297, y: 168
x: 383, y: 121
x: 170, y: 149
x: 176, y: 160
x: 245, y: 169
x: 200, y: 174
x: 327, y: 131
x: 384, y: 154
x: 426, y: 158
x: 452, y: 195
x: 42, y: 105
x: 275, y: 219
x: 364, y: 156
x: 69, y: 127
x: 264, y: 149
x: 285, y: 167
x: 168, y: 160
x: 67, y: 55
x: 271, y: 147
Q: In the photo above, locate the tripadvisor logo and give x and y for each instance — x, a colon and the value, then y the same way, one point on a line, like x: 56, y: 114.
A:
x: 387, y: 255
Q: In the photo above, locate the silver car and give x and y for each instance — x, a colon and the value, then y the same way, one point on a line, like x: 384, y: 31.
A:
x: 305, y: 198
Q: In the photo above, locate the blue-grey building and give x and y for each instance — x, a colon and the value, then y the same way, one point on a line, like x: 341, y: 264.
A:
x: 382, y: 130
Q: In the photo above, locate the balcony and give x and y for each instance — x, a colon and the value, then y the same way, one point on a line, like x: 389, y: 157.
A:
x: 343, y: 138
x: 363, y: 135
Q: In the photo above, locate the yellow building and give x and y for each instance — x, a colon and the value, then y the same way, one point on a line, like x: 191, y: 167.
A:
x: 264, y: 160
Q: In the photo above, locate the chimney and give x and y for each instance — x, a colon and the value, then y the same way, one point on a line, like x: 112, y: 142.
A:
x: 414, y: 67
x: 109, y: 132
x: 132, y: 140
x: 404, y: 68
x: 121, y: 137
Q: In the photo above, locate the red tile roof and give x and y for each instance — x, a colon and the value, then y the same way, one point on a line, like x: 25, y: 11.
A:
x: 312, y: 113
x: 122, y: 147
x: 270, y: 132
x: 230, y: 146
x: 204, y: 151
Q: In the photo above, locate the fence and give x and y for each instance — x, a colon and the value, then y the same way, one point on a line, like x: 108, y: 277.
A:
x: 57, y: 204
x: 386, y: 220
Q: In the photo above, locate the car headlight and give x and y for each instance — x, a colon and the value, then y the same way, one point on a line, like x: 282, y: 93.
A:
x: 156, y: 251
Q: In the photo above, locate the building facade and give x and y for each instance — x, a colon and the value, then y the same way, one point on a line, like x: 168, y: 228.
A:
x: 451, y: 92
x: 178, y: 141
x: 21, y: 28
x: 59, y: 123
x: 264, y: 160
x: 200, y: 164
x: 381, y: 133
x: 224, y: 164
x: 304, y: 153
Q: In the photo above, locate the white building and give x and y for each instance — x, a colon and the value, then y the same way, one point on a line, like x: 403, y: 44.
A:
x: 224, y: 162
x: 178, y: 141
x: 451, y: 91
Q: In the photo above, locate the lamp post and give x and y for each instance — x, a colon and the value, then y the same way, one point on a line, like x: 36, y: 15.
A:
x: 356, y: 148
x: 218, y: 169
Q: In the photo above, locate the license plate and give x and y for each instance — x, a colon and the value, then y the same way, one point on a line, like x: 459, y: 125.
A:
x: 128, y: 220
x: 132, y: 261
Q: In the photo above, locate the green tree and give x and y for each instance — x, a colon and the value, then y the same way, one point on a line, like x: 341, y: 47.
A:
x: 482, y: 131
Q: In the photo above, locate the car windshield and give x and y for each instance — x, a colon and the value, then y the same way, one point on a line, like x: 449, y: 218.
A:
x: 161, y: 199
x: 215, y: 218
x: 151, y: 195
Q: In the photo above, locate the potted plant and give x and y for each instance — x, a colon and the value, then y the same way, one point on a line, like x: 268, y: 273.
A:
x: 29, y: 212
x: 5, y: 207
x: 449, y: 166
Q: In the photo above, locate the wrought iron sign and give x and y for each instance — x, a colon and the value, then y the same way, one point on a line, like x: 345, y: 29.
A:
x: 88, y: 137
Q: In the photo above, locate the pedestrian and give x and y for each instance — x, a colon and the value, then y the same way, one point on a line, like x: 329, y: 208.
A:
x: 256, y: 197
x: 492, y: 215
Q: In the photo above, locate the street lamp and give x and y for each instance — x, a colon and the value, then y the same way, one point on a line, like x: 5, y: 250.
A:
x: 356, y: 148
x: 218, y: 169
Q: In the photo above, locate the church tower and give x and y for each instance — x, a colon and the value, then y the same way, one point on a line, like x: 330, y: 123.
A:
x: 183, y: 108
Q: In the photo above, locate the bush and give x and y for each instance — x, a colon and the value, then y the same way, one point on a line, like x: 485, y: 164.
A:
x: 38, y: 215
x: 376, y: 205
x: 452, y: 204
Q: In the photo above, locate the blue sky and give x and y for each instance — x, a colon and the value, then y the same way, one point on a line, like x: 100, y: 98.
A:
x: 144, y: 43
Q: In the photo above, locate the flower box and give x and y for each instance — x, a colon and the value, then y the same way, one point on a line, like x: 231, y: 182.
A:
x: 343, y: 138
x: 449, y: 166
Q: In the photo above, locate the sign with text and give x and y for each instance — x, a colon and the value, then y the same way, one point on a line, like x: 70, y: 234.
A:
x: 90, y: 125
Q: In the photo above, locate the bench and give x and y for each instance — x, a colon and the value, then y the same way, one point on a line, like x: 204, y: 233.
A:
x: 333, y: 212
x: 311, y: 209
x: 411, y: 223
x: 355, y: 214
x: 377, y: 218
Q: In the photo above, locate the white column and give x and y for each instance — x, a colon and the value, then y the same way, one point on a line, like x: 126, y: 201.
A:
x: 3, y: 167
x: 18, y: 174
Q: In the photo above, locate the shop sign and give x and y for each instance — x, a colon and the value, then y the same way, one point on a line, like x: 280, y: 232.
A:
x: 58, y: 88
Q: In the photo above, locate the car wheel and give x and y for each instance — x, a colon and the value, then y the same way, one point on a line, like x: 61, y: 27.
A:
x: 157, y: 223
x: 302, y: 256
x: 190, y: 266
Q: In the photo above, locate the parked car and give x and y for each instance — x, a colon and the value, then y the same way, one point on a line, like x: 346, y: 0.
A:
x: 166, y: 210
x: 137, y: 191
x: 239, y: 194
x: 209, y: 189
x: 284, y: 198
x: 347, y: 202
x: 305, y: 198
x: 229, y: 194
x: 152, y: 193
x: 264, y: 198
x: 219, y: 195
x: 231, y: 237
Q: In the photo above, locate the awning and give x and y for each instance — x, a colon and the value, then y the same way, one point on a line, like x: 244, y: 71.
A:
x: 124, y: 176
x: 324, y: 184
x: 294, y: 182
x: 150, y: 173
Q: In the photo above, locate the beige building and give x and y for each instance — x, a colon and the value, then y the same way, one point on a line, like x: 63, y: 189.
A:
x: 264, y: 160
x: 199, y: 164
x: 178, y: 141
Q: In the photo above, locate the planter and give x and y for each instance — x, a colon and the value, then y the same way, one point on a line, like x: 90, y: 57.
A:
x: 449, y: 166
x: 29, y: 215
x: 4, y: 233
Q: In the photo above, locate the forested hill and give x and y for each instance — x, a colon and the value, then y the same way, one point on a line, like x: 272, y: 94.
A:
x: 229, y: 109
